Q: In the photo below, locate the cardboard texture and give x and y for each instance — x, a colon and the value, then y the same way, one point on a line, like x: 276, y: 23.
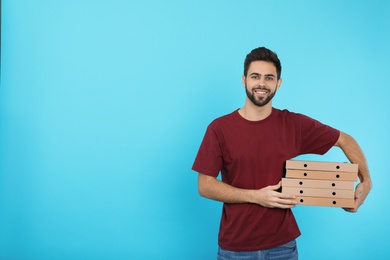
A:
x: 321, y: 175
x: 328, y: 202
x: 321, y: 166
x: 321, y: 183
x: 315, y: 192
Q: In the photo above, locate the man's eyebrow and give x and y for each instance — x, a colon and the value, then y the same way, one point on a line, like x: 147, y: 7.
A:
x: 258, y: 74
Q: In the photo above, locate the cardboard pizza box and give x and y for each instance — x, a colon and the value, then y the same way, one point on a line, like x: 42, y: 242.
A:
x: 323, y: 193
x: 322, y: 184
x: 322, y: 175
x: 328, y: 202
x: 321, y: 166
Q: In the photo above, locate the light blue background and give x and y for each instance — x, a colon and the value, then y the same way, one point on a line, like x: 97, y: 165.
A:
x: 103, y: 105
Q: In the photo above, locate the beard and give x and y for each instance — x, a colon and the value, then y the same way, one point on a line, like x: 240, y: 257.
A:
x: 259, y: 101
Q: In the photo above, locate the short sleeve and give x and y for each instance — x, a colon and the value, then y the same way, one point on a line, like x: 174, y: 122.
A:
x: 209, y: 158
x: 316, y: 138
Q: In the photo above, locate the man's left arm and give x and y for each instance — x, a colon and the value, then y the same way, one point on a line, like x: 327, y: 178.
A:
x: 355, y: 155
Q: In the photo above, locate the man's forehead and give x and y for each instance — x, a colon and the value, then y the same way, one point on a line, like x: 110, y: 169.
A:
x: 262, y: 67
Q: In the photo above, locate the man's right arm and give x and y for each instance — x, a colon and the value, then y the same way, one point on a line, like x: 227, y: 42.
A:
x: 212, y: 188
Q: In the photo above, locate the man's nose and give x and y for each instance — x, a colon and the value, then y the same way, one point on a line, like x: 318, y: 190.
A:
x: 261, y: 82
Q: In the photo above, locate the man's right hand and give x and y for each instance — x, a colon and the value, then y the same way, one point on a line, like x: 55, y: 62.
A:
x: 270, y: 197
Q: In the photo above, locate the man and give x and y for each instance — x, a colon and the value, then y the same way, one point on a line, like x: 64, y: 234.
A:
x: 249, y: 147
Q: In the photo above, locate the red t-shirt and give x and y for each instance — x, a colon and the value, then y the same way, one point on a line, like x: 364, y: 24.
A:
x: 252, y: 155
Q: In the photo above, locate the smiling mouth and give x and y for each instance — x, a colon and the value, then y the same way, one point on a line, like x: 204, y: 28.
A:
x: 261, y: 91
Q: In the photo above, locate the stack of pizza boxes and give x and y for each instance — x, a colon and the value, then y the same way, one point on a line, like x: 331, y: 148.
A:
x: 321, y: 183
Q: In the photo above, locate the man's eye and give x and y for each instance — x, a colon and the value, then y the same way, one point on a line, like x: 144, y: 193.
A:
x: 270, y: 78
x: 255, y: 77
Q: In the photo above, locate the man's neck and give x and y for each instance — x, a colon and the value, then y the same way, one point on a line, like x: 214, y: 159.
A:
x: 252, y: 112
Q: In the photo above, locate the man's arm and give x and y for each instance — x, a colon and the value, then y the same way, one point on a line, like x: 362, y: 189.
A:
x: 355, y: 155
x: 269, y: 197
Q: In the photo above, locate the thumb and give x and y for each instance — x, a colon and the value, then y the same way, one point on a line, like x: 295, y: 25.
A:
x: 277, y: 186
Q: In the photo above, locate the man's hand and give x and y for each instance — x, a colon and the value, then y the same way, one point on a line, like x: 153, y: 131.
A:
x: 361, y: 192
x: 269, y: 197
x: 355, y: 155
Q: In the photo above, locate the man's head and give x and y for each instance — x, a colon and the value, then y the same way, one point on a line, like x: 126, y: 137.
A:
x: 261, y: 77
x: 263, y: 54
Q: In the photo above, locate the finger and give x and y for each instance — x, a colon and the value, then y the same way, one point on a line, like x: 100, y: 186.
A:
x: 287, y: 201
x: 286, y: 204
x: 352, y: 210
x: 286, y: 196
x: 275, y: 187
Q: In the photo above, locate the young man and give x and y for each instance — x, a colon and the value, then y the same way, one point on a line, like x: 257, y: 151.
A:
x: 249, y: 147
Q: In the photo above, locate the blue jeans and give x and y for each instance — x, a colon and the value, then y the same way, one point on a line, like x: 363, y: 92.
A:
x: 287, y: 251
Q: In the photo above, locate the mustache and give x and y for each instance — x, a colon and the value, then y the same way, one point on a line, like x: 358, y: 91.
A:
x: 261, y: 88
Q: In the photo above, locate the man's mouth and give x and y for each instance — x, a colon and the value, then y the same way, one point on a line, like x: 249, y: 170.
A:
x: 261, y: 91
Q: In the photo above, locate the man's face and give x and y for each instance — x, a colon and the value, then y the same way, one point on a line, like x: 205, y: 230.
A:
x: 261, y: 82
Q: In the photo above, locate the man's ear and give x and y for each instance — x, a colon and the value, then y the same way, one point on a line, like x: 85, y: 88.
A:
x: 279, y: 83
x: 243, y: 80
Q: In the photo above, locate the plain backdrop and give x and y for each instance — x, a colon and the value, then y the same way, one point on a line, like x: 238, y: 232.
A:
x: 103, y: 105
